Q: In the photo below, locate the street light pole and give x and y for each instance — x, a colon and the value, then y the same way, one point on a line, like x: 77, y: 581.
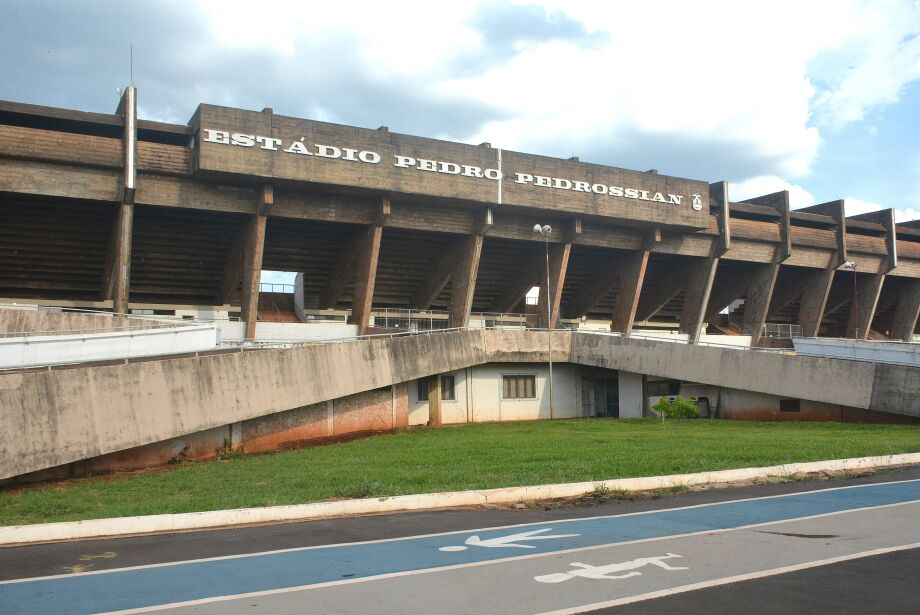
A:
x: 546, y: 230
x: 852, y: 267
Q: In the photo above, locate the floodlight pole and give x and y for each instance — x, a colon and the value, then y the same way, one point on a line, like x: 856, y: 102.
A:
x: 546, y: 230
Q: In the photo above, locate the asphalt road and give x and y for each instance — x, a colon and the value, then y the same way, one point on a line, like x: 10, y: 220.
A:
x: 838, y: 546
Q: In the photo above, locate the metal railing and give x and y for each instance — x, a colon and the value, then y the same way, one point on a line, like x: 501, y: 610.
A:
x: 497, y: 320
x: 781, y: 331
x: 270, y: 287
x: 246, y: 346
x: 409, y: 319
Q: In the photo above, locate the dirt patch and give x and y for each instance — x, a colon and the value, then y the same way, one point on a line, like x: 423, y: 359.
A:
x: 602, y: 495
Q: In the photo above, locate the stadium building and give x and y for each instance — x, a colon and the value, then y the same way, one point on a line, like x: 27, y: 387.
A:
x: 136, y: 328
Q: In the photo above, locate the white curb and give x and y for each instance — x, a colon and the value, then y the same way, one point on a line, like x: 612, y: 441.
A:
x: 122, y: 526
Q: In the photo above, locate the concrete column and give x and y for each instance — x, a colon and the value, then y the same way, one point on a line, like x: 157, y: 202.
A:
x: 365, y: 278
x: 696, y: 296
x: 862, y: 308
x: 907, y: 310
x: 121, y: 271
x: 628, y: 290
x: 558, y: 264
x: 631, y: 395
x: 757, y: 300
x: 118, y: 276
x: 252, y: 262
x: 815, y: 292
x: 463, y: 281
x: 718, y: 196
x: 434, y: 399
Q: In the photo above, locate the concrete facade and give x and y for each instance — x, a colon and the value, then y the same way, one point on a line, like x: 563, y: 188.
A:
x: 379, y: 410
x: 66, y: 415
x: 32, y: 319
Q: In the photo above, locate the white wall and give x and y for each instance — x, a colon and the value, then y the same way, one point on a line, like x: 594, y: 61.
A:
x: 478, y: 392
x: 287, y: 331
x: 630, y: 393
x: 37, y: 350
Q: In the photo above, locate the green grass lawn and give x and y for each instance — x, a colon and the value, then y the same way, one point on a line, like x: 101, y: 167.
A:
x: 456, y: 458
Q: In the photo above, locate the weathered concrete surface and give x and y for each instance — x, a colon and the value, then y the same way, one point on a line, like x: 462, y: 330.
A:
x: 28, y: 319
x: 51, y: 418
x: 765, y: 372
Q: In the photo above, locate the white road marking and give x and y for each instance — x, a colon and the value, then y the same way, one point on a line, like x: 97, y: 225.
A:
x: 507, y: 541
x: 391, y: 575
x: 726, y: 580
x: 587, y: 571
x: 486, y: 529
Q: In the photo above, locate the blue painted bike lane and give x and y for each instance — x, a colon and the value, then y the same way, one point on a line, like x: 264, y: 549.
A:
x: 179, y: 582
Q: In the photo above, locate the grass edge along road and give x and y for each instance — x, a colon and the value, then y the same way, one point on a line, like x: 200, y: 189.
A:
x: 455, y: 458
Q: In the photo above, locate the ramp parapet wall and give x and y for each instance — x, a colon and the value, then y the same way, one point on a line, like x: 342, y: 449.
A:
x: 50, y: 418
x: 31, y: 319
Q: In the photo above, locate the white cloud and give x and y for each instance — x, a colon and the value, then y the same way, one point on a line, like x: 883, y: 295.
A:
x: 905, y: 215
x: 883, y: 55
x: 768, y: 184
x: 855, y: 206
x: 734, y: 90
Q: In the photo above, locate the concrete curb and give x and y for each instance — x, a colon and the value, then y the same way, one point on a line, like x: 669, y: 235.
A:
x: 123, y: 526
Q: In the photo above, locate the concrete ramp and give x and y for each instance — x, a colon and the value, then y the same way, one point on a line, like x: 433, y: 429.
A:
x: 50, y: 418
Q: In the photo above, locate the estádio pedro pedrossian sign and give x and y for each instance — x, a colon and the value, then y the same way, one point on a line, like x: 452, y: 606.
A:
x: 336, y: 152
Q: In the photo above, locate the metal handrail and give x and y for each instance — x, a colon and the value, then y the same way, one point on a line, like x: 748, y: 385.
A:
x: 245, y: 346
x: 271, y: 287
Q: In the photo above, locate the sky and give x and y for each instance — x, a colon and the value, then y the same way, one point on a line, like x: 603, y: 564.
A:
x: 819, y: 98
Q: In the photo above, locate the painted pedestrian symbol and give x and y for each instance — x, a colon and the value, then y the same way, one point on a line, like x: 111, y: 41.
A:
x: 513, y: 540
x: 587, y: 571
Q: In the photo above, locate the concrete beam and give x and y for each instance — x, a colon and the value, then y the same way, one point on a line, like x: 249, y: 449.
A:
x: 654, y: 298
x: 121, y: 264
x: 720, y: 204
x: 252, y: 262
x: 868, y: 288
x: 834, y: 209
x: 438, y: 276
x: 757, y: 300
x: 463, y: 281
x: 233, y: 268
x: 907, y: 310
x: 629, y: 287
x: 885, y: 217
x: 626, y: 274
x: 780, y: 202
x: 346, y: 265
x: 558, y: 264
x: 459, y: 262
x: 530, y: 275
x: 696, y: 296
x: 366, y: 257
x: 816, y: 288
x: 726, y: 288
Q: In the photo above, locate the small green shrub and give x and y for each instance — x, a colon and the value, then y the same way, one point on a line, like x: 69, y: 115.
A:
x: 679, y: 408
